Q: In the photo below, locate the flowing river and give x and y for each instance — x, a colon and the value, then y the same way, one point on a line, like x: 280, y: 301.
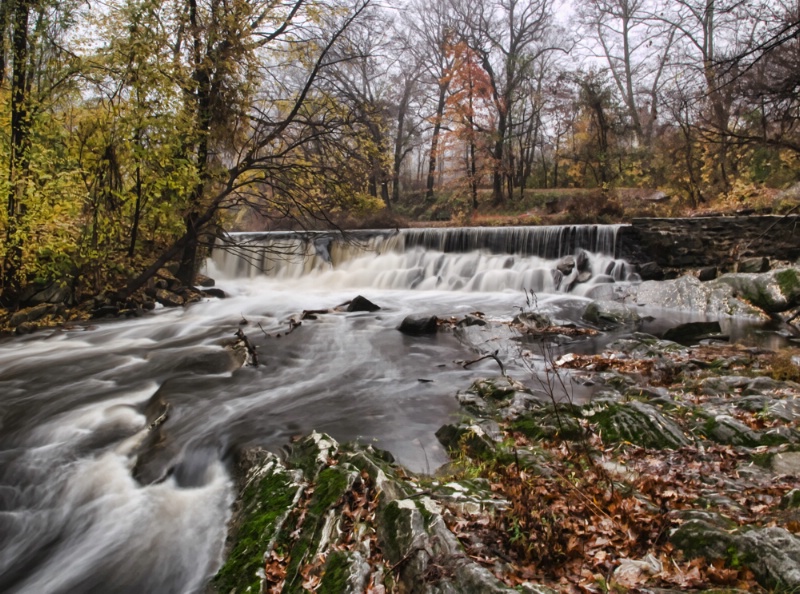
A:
x: 95, y: 498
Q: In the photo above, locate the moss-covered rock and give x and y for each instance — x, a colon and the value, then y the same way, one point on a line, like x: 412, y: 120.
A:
x: 269, y: 493
x: 637, y: 423
x: 773, y: 554
x: 774, y: 291
x: 550, y: 422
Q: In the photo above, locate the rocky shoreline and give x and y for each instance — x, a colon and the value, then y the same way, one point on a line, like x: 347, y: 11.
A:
x: 680, y: 473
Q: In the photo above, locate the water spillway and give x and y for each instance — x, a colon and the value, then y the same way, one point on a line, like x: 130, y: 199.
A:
x: 567, y: 258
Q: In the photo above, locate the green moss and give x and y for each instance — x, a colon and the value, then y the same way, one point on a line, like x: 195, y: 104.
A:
x: 788, y: 281
x: 763, y: 459
x: 623, y: 422
x: 331, y: 484
x: 337, y: 570
x: 390, y: 530
x: 549, y: 424
x: 265, y: 501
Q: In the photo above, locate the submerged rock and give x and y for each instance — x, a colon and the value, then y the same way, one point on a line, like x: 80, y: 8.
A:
x: 692, y: 331
x: 610, y: 314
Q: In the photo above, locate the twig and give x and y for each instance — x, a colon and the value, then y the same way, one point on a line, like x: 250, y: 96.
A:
x: 264, y: 331
x: 490, y: 356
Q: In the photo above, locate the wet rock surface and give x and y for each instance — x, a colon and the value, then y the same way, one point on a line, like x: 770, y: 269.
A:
x: 692, y: 453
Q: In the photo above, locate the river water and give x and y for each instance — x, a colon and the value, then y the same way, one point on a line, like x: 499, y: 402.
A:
x: 94, y: 500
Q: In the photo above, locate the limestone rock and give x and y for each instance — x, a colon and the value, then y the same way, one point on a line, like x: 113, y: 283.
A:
x: 687, y: 293
x: 774, y: 292
x: 773, y: 554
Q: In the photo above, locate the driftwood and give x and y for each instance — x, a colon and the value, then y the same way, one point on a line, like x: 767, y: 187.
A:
x: 249, y: 347
x: 490, y: 356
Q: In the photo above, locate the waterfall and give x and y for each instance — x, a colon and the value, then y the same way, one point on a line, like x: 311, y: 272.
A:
x: 550, y: 259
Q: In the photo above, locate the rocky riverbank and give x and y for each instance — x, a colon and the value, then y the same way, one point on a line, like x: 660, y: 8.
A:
x: 681, y: 472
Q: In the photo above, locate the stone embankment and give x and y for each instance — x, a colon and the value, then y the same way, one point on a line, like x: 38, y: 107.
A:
x: 722, y: 242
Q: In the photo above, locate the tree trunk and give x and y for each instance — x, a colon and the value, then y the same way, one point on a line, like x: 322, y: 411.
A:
x: 437, y: 129
x: 20, y: 140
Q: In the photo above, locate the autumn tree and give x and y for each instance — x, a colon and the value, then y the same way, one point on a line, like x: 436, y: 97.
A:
x: 469, y: 111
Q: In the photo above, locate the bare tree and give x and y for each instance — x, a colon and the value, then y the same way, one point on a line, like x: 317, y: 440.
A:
x: 509, y: 35
x: 636, y: 48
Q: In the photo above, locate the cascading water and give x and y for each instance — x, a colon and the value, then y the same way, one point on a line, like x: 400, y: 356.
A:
x: 116, y: 439
x: 471, y: 259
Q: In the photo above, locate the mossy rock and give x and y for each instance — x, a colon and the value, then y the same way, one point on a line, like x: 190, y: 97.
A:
x: 331, y: 485
x: 470, y: 439
x: 345, y: 573
x: 700, y: 538
x: 550, y: 422
x: 269, y: 494
x: 772, y: 554
x: 493, y: 389
x: 312, y: 453
x: 726, y: 430
x: 638, y: 423
x: 774, y: 291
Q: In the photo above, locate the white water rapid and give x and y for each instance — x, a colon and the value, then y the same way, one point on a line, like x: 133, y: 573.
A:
x: 94, y: 500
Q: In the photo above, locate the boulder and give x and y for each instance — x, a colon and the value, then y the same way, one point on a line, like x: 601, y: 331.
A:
x: 707, y: 273
x: 164, y: 279
x: 168, y: 298
x: 772, y: 554
x: 201, y: 280
x: 418, y: 325
x: 55, y: 292
x: 610, y: 314
x: 566, y: 265
x: 214, y: 293
x: 31, y: 314
x: 651, y: 271
x: 105, y: 311
x: 532, y: 320
x: 687, y: 293
x: 692, y: 331
x: 638, y: 423
x: 753, y: 265
x: 774, y: 291
x: 362, y: 304
x: 471, y: 320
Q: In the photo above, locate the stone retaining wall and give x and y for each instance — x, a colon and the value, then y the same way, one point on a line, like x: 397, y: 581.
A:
x: 709, y: 241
